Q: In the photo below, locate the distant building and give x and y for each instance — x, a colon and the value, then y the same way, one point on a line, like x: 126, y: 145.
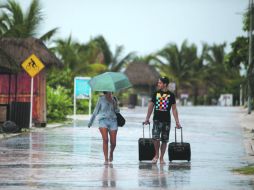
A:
x: 144, y: 79
x: 15, y: 83
x: 225, y: 100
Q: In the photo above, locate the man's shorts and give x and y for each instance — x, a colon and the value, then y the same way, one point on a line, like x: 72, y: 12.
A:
x: 161, y: 131
x: 109, y: 123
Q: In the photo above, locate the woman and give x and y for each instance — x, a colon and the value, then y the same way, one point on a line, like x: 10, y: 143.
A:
x: 106, y: 110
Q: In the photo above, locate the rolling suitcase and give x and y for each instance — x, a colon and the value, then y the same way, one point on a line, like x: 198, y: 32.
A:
x: 145, y: 147
x: 179, y: 150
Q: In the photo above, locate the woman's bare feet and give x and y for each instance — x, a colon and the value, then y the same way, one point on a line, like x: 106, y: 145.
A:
x: 154, y: 160
x: 111, y: 157
x: 106, y: 162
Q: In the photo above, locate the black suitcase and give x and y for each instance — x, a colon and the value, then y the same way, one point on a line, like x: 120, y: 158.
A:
x: 145, y: 147
x: 179, y: 150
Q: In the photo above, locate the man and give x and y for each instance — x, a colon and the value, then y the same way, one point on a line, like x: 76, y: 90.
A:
x: 161, y: 103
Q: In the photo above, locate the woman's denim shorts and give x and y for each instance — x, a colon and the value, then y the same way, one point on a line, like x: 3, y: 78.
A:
x: 109, y: 123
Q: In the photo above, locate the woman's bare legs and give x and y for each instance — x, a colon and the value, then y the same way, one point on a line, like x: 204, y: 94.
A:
x: 112, y: 135
x: 104, y: 134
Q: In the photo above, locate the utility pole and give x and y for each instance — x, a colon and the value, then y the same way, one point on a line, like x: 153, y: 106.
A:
x: 249, y: 73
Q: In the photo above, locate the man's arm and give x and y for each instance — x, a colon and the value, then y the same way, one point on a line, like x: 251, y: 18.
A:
x: 175, y: 114
x: 149, y: 112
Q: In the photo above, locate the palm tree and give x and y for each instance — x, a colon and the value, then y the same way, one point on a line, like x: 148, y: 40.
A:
x: 117, y: 61
x: 216, y: 72
x: 67, y: 51
x: 101, y: 44
x: 198, y: 74
x: 16, y: 23
x: 79, y: 59
x: 247, y: 17
x: 177, y: 63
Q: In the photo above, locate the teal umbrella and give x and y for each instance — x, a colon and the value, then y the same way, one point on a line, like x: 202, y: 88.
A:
x: 110, y: 82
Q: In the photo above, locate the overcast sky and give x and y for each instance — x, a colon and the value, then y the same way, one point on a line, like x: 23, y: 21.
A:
x: 145, y: 26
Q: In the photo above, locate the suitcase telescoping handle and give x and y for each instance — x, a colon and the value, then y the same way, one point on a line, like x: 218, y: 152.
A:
x: 181, y: 134
x: 144, y: 130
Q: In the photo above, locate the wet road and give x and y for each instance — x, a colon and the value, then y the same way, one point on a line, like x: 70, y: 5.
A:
x: 70, y: 157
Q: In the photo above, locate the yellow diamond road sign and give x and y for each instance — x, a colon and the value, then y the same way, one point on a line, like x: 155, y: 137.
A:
x: 32, y: 65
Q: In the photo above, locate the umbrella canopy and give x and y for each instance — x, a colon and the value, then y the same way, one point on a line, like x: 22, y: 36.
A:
x: 110, y: 82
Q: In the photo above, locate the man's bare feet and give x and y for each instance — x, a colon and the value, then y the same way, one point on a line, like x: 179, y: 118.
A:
x: 162, y: 161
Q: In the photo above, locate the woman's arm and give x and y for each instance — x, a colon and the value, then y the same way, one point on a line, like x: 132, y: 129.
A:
x: 116, y: 107
x: 95, y: 112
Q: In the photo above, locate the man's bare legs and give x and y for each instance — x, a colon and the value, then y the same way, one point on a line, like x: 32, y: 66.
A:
x: 163, y: 150
x: 156, y: 144
x: 159, y: 148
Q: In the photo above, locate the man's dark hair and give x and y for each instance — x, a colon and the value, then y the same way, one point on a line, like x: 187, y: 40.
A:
x: 164, y: 80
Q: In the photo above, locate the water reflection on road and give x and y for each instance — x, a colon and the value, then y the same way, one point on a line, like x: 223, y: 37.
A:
x: 70, y: 157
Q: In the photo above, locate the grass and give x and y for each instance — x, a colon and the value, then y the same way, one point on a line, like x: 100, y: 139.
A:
x: 247, y: 170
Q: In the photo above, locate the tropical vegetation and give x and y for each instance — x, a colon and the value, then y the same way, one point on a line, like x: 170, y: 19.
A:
x: 203, y: 74
x: 14, y: 22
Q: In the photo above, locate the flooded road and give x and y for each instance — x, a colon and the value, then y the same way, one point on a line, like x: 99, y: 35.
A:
x: 70, y: 157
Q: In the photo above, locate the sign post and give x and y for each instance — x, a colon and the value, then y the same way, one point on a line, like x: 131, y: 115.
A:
x: 82, y: 90
x: 32, y: 65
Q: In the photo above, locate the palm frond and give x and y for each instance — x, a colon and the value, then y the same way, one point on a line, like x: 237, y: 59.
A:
x: 16, y: 11
x: 123, y: 61
x: 104, y: 47
x: 47, y: 36
x: 33, y: 17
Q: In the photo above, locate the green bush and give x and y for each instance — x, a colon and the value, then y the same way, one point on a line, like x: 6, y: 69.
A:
x: 59, y: 104
x: 83, y: 105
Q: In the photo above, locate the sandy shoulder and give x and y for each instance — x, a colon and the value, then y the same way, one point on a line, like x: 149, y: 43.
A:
x: 247, y: 123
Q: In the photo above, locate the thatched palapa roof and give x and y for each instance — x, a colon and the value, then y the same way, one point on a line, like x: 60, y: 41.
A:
x: 19, y: 49
x: 7, y: 64
x: 140, y: 73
